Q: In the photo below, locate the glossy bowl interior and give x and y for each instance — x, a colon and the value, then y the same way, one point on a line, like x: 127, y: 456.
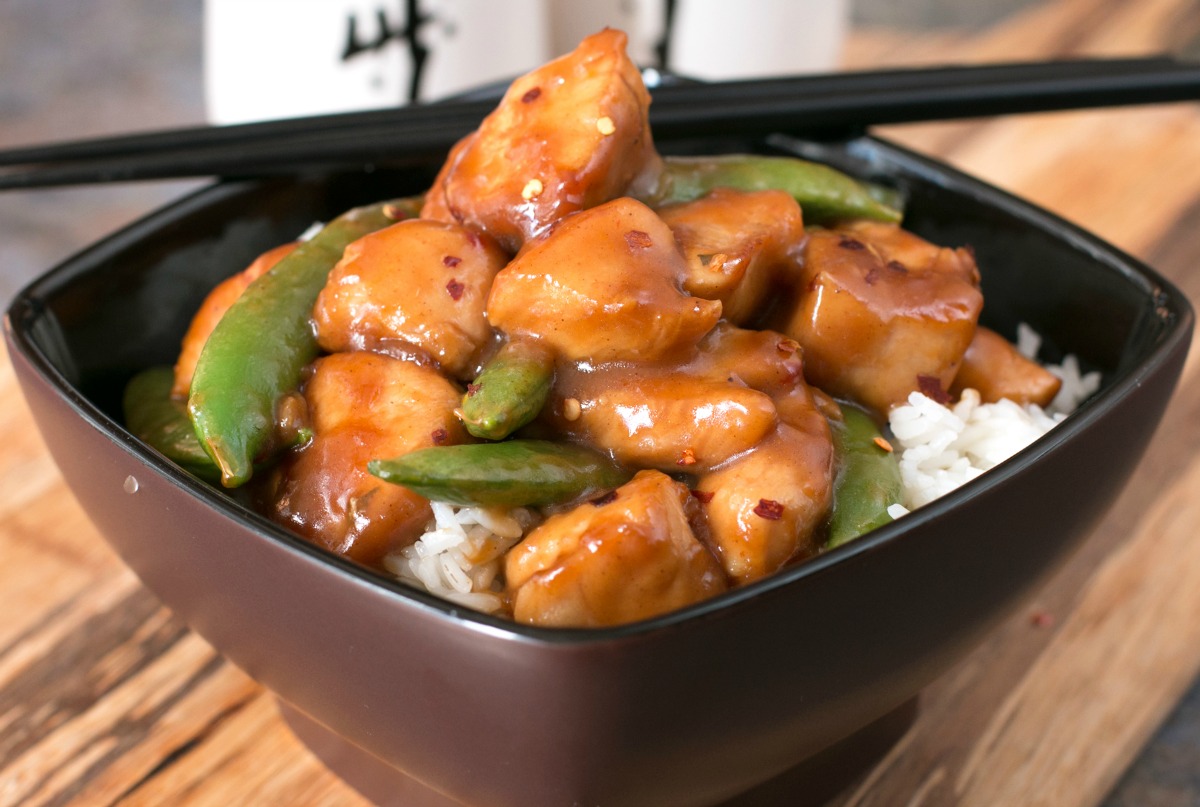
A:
x: 691, y: 708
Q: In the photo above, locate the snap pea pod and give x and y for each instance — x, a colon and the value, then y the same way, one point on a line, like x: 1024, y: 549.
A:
x: 513, y: 473
x: 162, y: 422
x: 868, y: 480
x: 510, y: 391
x: 258, y: 350
x: 824, y: 193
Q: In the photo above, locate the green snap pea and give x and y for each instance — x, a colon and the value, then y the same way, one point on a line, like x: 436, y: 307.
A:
x: 162, y: 422
x: 514, y: 473
x: 868, y: 480
x: 260, y: 347
x: 510, y: 392
x: 824, y: 193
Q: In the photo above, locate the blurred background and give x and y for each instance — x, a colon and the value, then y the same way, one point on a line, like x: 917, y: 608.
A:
x: 91, y: 68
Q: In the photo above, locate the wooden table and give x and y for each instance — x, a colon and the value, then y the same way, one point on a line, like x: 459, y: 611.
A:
x: 105, y: 698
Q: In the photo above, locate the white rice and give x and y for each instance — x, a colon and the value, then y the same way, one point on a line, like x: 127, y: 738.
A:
x: 939, y: 447
x: 459, y: 555
x: 943, y: 447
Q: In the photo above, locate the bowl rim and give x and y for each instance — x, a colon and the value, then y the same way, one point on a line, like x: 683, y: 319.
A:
x: 864, y: 155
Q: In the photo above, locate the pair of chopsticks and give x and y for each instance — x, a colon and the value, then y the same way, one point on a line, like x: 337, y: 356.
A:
x: 829, y: 104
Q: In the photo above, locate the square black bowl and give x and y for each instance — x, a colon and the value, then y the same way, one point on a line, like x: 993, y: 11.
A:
x: 418, y: 701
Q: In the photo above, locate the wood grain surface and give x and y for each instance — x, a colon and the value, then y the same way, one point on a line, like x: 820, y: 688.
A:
x: 105, y: 698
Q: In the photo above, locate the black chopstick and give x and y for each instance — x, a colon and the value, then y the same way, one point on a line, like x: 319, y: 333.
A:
x: 830, y: 103
x: 934, y: 94
x: 418, y: 117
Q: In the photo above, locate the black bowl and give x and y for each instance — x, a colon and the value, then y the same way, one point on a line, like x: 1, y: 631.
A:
x: 421, y: 702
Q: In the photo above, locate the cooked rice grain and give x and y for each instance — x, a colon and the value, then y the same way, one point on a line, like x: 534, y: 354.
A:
x: 944, y: 447
x: 459, y: 555
x: 1077, y: 386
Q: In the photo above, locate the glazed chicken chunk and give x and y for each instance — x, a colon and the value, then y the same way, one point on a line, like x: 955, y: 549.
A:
x: 882, y: 313
x: 566, y: 137
x: 738, y: 246
x: 603, y: 285
x: 687, y: 417
x: 363, y: 406
x: 763, y: 360
x: 659, y: 418
x: 417, y: 288
x: 629, y: 556
x: 763, y: 507
x: 995, y: 369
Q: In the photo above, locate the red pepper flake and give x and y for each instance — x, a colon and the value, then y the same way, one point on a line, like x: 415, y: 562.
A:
x: 638, y: 239
x: 455, y: 289
x: 931, y: 386
x: 439, y: 436
x: 394, y: 212
x: 600, y: 501
x: 531, y: 95
x: 703, y: 496
x: 572, y: 409
x: 768, y: 509
x: 897, y: 267
x: 687, y: 458
x: 1042, y: 619
x: 533, y: 188
x: 846, y: 242
x: 883, y: 443
x: 451, y: 260
x: 472, y: 389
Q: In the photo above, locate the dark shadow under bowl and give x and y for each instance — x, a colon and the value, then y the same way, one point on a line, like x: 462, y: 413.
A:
x: 688, y: 709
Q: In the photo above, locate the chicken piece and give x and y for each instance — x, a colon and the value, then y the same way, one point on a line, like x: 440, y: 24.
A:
x: 417, y: 288
x: 658, y: 418
x: 995, y: 369
x: 763, y: 360
x: 766, y: 361
x: 738, y: 246
x: 570, y: 135
x: 894, y: 243
x: 364, y: 406
x: 604, y: 285
x: 630, y: 556
x: 688, y: 417
x: 223, y: 295
x: 764, y: 506
x: 882, y: 313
